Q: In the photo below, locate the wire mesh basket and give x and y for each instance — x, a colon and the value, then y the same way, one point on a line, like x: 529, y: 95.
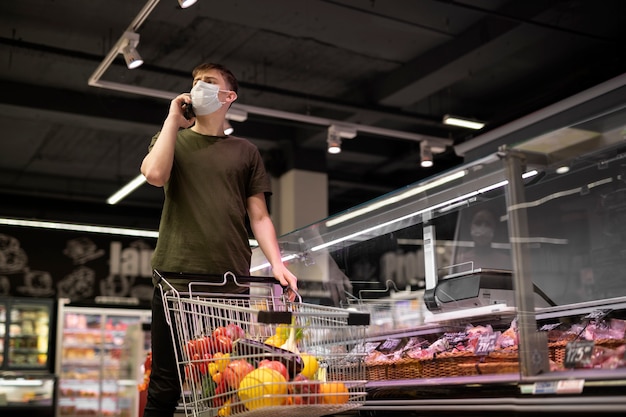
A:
x: 260, y: 354
x: 390, y: 309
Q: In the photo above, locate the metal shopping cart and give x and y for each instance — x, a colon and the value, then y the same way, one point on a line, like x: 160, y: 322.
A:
x: 391, y: 310
x: 260, y: 354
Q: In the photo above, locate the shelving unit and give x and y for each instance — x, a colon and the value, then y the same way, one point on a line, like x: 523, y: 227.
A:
x: 97, y: 364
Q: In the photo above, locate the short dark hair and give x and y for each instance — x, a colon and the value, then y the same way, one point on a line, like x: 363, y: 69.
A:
x: 229, y: 77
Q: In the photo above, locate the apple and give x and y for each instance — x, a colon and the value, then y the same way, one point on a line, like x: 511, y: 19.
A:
x: 275, y: 365
x: 304, y: 390
x: 235, y: 332
x: 236, y: 371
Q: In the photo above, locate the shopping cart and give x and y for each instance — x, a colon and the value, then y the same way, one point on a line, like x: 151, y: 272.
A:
x: 391, y: 310
x: 260, y: 354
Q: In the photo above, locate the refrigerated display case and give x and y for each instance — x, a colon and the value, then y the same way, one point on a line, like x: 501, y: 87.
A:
x: 27, y: 381
x: 99, y: 355
x: 547, y: 291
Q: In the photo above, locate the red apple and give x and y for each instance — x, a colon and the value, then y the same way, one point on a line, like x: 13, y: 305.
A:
x: 236, y: 371
x: 304, y: 390
x: 235, y: 332
x: 275, y: 365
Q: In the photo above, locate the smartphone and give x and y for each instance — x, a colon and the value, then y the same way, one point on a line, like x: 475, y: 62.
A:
x: 188, y: 111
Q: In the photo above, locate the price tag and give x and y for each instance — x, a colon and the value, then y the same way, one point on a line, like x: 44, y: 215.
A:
x: 548, y: 327
x: 548, y: 387
x: 598, y: 315
x: 486, y: 343
x: 578, y: 354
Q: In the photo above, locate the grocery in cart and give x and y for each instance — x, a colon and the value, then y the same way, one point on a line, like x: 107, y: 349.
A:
x: 261, y: 354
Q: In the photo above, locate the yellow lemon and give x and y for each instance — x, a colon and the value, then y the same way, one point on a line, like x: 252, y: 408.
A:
x: 310, y: 365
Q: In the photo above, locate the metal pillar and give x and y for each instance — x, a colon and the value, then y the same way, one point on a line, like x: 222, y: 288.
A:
x: 533, y: 345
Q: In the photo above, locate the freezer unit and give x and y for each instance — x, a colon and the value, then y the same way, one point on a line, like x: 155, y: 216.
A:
x: 99, y: 356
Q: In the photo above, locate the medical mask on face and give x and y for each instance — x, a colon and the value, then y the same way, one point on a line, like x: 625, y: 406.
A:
x: 204, y: 98
x: 482, y: 232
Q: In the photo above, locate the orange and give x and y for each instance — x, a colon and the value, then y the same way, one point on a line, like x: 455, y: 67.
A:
x: 334, y: 392
x: 263, y: 387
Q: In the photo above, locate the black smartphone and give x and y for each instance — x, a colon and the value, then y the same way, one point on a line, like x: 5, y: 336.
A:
x: 188, y: 111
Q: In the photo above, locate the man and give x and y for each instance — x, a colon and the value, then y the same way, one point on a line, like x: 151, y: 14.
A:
x: 211, y: 182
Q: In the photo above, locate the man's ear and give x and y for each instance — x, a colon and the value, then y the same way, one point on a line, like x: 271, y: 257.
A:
x: 232, y: 96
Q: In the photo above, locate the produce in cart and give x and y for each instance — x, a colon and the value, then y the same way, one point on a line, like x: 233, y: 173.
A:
x: 249, y: 356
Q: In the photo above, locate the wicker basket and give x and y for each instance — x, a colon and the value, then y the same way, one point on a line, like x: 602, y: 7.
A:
x: 406, y: 368
x: 486, y: 368
x: 377, y: 371
x: 467, y: 363
x: 557, y: 349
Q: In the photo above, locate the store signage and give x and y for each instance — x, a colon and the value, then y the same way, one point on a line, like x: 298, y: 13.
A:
x: 79, y: 266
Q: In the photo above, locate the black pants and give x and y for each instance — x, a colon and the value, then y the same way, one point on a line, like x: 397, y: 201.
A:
x: 164, y: 387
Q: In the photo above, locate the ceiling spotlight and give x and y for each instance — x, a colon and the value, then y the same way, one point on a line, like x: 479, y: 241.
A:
x: 463, y: 122
x: 335, y: 133
x: 129, y: 50
x: 426, y: 154
x: 186, y: 3
x: 564, y: 169
x: 334, y: 141
x: 228, y: 129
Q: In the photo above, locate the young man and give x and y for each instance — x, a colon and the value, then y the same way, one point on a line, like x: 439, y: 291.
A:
x: 211, y: 181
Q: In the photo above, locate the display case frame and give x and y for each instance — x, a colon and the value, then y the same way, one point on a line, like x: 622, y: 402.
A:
x: 520, y: 174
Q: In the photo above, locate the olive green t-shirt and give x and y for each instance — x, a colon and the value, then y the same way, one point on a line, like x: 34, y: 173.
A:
x: 203, y: 222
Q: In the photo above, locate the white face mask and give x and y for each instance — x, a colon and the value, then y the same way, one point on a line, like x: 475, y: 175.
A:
x: 204, y: 98
x: 482, y: 232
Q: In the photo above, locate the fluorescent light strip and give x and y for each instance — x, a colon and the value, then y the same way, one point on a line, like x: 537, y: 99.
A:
x: 436, y: 206
x: 267, y: 264
x: 127, y: 189
x: 21, y: 382
x: 395, y: 199
x: 92, y: 229
x: 457, y: 121
x: 79, y: 227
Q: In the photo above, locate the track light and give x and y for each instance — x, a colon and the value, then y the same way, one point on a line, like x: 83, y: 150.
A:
x: 228, y: 129
x: 335, y: 133
x: 426, y: 154
x: 334, y: 142
x: 129, y: 50
x: 186, y: 3
x: 463, y: 122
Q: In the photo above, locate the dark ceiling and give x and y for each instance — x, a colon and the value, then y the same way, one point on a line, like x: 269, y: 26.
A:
x: 393, y: 68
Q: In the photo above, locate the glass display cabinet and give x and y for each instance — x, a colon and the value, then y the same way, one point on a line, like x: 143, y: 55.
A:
x: 27, y: 383
x: 99, y: 354
x: 497, y: 286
